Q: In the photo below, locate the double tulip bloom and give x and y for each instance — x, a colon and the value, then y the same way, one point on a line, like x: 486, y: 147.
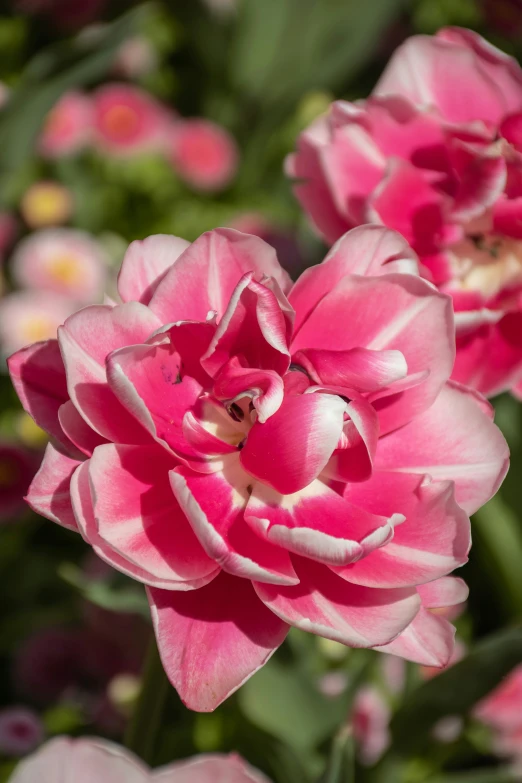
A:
x: 264, y: 455
x: 436, y: 153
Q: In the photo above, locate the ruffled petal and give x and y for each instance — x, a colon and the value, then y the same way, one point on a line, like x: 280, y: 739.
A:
x: 454, y: 440
x: 324, y: 604
x: 215, y: 506
x: 205, y: 275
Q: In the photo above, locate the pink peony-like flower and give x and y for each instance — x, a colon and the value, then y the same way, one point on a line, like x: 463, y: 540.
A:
x: 370, y: 720
x: 204, y: 154
x: 92, y: 759
x: 128, y: 120
x: 502, y: 711
x: 436, y: 153
x: 63, y: 260
x: 264, y: 455
x: 26, y: 316
x: 68, y: 126
x: 21, y: 731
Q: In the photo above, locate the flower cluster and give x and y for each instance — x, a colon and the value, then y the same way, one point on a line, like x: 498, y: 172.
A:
x: 436, y: 153
x: 264, y: 455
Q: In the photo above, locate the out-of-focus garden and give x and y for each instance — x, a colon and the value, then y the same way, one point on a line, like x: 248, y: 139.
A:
x: 121, y: 120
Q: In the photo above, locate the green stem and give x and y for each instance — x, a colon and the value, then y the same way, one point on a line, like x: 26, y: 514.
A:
x: 341, y: 762
x: 143, y: 728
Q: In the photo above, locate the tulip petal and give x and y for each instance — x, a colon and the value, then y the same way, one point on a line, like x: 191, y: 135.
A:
x: 77, y: 430
x: 433, y: 540
x: 207, y: 768
x: 146, y: 263
x: 205, y: 275
x: 454, y: 440
x: 215, y: 505
x: 213, y: 639
x: 265, y: 387
x: 365, y: 250
x: 86, y: 339
x: 407, y: 315
x: 289, y: 450
x: 317, y: 523
x: 428, y: 640
x: 253, y: 328
x: 358, y: 368
x: 137, y: 515
x: 324, y: 604
x: 49, y: 493
x: 38, y: 375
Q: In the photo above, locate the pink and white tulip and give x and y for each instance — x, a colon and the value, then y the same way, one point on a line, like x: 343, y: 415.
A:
x: 128, y: 120
x: 204, y: 154
x: 92, y: 759
x: 262, y: 454
x: 502, y: 711
x: 68, y: 126
x: 62, y: 260
x: 436, y: 153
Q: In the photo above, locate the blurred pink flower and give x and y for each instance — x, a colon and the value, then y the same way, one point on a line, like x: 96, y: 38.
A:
x: 46, y: 204
x: 21, y: 731
x: 333, y: 683
x: 128, y: 120
x: 68, y: 126
x: 17, y: 468
x: 370, y: 720
x: 204, y: 154
x: 29, y: 316
x: 502, y: 711
x: 436, y: 153
x: 100, y: 761
x: 258, y: 424
x: 62, y: 260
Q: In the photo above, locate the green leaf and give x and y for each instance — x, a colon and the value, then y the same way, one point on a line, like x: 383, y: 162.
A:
x: 501, y: 775
x: 497, y: 539
x: 284, y: 48
x: 456, y: 690
x: 283, y: 701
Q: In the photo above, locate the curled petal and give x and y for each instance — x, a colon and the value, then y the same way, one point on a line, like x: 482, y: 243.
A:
x: 253, y: 328
x: 408, y: 315
x: 265, y: 387
x: 324, y: 604
x: 358, y: 368
x: 289, y: 450
x: 215, y: 505
x: 447, y: 591
x: 49, y: 493
x: 213, y: 639
x: 86, y: 339
x: 145, y: 264
x: 353, y: 460
x: 138, y: 517
x: 317, y: 523
x: 205, y: 275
